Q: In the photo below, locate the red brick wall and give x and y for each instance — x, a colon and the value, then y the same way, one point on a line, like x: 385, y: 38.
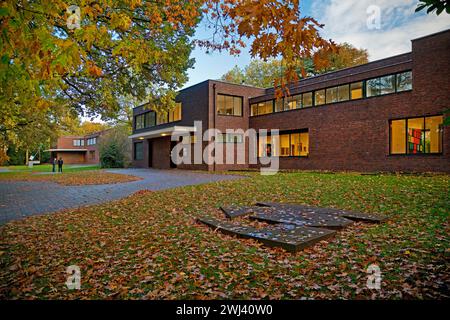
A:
x: 72, y: 157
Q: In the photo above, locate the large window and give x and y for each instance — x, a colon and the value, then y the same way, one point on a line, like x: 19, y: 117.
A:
x: 229, y: 105
x: 294, y: 144
x: 380, y: 86
x: 262, y: 108
x: 416, y: 135
x: 293, y: 102
x: 162, y: 118
x: 139, y: 151
x: 91, y: 141
x: 78, y: 142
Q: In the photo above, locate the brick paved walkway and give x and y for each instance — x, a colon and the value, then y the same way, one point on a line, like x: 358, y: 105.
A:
x: 20, y: 199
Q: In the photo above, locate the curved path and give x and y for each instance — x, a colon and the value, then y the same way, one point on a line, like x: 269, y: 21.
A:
x: 19, y: 199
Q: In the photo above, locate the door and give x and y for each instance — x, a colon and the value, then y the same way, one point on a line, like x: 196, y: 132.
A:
x: 150, y: 153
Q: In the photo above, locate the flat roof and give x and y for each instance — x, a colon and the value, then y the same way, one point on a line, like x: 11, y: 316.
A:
x: 67, y: 150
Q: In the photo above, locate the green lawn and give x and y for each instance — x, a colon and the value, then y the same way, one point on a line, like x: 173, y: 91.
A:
x: 48, y: 168
x: 150, y: 246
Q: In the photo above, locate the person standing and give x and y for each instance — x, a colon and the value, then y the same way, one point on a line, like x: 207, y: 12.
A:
x: 60, y: 164
x: 54, y: 164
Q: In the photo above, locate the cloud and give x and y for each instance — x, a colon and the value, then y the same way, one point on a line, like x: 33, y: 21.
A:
x: 346, y: 21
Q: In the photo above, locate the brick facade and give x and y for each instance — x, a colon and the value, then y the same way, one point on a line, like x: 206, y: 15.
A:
x: 350, y: 135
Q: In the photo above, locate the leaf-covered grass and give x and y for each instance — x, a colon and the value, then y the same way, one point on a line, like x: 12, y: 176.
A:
x: 48, y: 168
x: 150, y: 246
x: 74, y: 178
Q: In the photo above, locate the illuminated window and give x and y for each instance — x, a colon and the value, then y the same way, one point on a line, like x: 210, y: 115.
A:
x: 229, y: 105
x: 319, y: 97
x: 175, y: 114
x: 284, y: 145
x: 356, y: 90
x: 254, y: 109
x: 398, y: 136
x: 416, y: 135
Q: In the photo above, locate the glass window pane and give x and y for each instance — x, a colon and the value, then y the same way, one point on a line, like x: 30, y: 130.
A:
x: 387, y: 84
x: 398, y: 137
x: 296, y: 148
x: 292, y: 102
x: 278, y: 105
x: 284, y: 145
x: 343, y: 92
x: 304, y: 144
x: 177, y: 111
x: 415, y: 135
x: 221, y: 104
x: 373, y: 87
x: 265, y: 107
x: 433, y: 134
x: 332, y: 95
x: 162, y: 117
x: 264, y: 147
x: 139, y: 151
x: 254, y: 109
x: 356, y: 89
x: 404, y: 81
x: 237, y: 103
x: 307, y: 100
x: 149, y: 119
x: 319, y: 97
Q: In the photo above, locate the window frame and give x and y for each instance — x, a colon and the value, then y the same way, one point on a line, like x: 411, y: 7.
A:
x: 406, y: 154
x: 233, y: 96
x: 287, y: 132
x: 141, y: 143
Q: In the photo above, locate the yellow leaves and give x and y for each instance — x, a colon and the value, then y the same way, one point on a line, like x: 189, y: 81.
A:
x: 120, y: 21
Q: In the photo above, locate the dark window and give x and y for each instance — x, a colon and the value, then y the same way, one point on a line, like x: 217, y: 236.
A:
x: 138, y: 151
x: 416, y: 135
x: 229, y: 105
x: 380, y: 86
x: 140, y: 122
x: 150, y: 119
x: 404, y: 81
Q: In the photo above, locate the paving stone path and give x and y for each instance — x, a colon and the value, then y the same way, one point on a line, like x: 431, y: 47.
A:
x: 19, y: 199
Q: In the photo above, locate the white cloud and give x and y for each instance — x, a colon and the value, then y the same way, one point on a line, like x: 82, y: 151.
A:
x: 346, y: 21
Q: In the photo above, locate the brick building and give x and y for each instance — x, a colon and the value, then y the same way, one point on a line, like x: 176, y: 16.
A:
x: 386, y: 115
x: 78, y: 149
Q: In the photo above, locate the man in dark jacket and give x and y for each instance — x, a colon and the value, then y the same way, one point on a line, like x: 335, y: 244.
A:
x: 60, y: 164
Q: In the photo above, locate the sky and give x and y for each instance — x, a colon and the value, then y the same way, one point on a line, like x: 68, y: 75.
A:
x: 383, y: 27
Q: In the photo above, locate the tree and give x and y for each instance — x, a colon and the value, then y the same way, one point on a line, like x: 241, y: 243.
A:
x: 136, y: 48
x: 434, y: 5
x: 262, y: 73
x: 115, y: 148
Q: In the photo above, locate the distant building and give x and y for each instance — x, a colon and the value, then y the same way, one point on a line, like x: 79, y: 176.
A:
x: 78, y: 149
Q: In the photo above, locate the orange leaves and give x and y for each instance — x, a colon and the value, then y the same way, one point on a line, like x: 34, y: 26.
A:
x: 93, y: 70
